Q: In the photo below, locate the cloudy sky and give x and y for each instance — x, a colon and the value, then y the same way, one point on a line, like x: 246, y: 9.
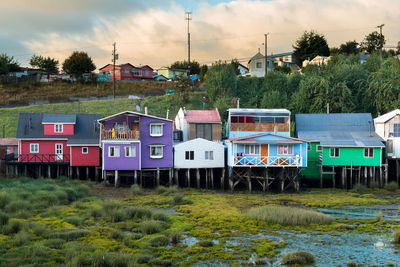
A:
x: 154, y: 32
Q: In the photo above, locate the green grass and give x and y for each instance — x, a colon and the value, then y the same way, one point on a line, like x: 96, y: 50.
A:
x: 298, y: 257
x: 396, y: 236
x: 288, y: 215
x: 157, y: 106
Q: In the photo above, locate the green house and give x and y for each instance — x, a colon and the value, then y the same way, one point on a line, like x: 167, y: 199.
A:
x: 339, y: 142
x: 172, y: 73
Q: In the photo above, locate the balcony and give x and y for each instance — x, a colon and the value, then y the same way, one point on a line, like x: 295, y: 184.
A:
x: 58, y: 158
x: 120, y: 135
x: 266, y: 161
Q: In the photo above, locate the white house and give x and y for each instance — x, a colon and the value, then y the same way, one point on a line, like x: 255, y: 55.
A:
x: 387, y: 126
x: 199, y: 153
x: 318, y: 60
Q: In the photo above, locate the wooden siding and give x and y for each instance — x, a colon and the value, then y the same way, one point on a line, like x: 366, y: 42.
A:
x: 216, y: 131
x: 260, y: 127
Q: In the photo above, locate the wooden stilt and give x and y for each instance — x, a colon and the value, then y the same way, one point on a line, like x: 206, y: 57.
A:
x: 359, y: 176
x: 351, y: 175
x: 135, y: 177
x: 371, y: 178
x: 333, y: 177
x: 116, y: 179
x: 58, y: 171
x: 264, y: 185
x: 223, y: 179
x: 320, y: 176
x: 230, y: 178
x: 87, y: 173
x: 373, y: 174
x: 380, y: 176
x: 198, y: 178
x: 7, y: 169
x: 386, y: 172
x: 158, y: 177
x: 96, y: 173
x: 40, y: 171
x: 365, y: 175
x: 170, y: 174
x: 71, y: 174
x: 26, y: 170
x: 48, y: 171
x: 397, y: 171
x: 282, y: 180
x: 177, y: 177
x: 78, y: 172
x: 206, y: 178
x: 212, y: 178
x: 188, y: 177
x: 343, y: 176
x: 141, y: 178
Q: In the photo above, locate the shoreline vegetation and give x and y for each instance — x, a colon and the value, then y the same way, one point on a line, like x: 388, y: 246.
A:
x: 73, y: 223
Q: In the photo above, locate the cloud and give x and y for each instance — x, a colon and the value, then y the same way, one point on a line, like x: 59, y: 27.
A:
x: 156, y: 35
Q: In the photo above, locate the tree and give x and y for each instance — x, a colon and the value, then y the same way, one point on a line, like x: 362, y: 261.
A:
x: 350, y: 47
x: 310, y: 45
x: 45, y: 63
x: 373, y: 42
x: 194, y: 66
x: 78, y: 63
x: 284, y: 69
x: 8, y: 64
x: 183, y: 87
x: 221, y: 81
x: 235, y: 64
x: 203, y: 72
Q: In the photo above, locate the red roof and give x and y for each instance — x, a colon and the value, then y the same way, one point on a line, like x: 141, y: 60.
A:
x: 211, y: 116
x: 8, y: 142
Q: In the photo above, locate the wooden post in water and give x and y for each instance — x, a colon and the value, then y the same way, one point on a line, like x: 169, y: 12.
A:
x: 198, y: 178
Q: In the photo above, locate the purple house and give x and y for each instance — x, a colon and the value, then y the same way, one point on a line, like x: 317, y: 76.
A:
x: 135, y: 144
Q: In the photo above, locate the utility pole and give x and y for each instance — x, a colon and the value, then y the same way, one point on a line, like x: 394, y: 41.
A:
x: 266, y: 55
x: 381, y: 41
x: 188, y: 18
x: 115, y: 58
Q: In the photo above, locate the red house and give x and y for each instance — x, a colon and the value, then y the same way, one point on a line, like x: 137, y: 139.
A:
x: 128, y: 72
x: 59, y: 139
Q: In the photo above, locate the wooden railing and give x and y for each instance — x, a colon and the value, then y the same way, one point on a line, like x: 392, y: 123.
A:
x: 43, y: 157
x: 119, y: 135
x: 263, y: 161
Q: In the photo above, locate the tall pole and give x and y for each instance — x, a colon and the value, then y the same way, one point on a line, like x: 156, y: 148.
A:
x: 188, y: 18
x: 114, y: 59
x: 266, y: 54
x: 381, y: 41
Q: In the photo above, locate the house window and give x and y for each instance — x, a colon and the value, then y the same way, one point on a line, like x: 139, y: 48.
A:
x: 369, y: 152
x: 126, y: 70
x: 84, y: 150
x: 267, y: 119
x: 319, y: 148
x: 308, y: 147
x: 34, y: 148
x: 258, y: 65
x: 130, y: 151
x: 334, y: 152
x: 280, y: 120
x: 189, y: 155
x: 396, y: 130
x: 209, y: 155
x: 204, y: 130
x: 156, y: 129
x: 146, y: 73
x: 285, y: 149
x: 252, y: 149
x: 156, y: 152
x: 113, y: 151
x: 58, y: 128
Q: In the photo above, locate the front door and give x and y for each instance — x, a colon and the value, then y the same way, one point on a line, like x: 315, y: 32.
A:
x: 59, y: 152
x: 264, y: 154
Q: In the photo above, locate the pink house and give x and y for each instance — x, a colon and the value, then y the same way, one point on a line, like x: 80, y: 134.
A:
x: 128, y: 72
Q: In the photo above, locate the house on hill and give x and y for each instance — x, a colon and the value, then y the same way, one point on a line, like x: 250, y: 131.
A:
x: 172, y: 73
x: 342, y: 146
x: 261, y: 149
x: 52, y: 144
x: 127, y: 72
x: 136, y: 144
x: 257, y: 63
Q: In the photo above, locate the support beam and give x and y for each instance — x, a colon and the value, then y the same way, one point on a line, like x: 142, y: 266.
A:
x: 135, y: 177
x: 158, y: 177
x: 116, y: 179
x: 58, y: 171
x: 78, y: 172
x: 177, y: 177
x: 265, y: 180
x: 320, y: 176
x: 230, y: 177
x: 343, y: 176
x: 386, y: 172
x: 170, y: 176
x: 249, y: 173
x: 212, y: 178
x: 48, y: 171
x: 223, y: 179
x: 40, y: 171
x: 198, y: 178
x: 26, y: 170
x: 96, y: 174
x: 188, y: 177
x: 282, y: 179
x: 87, y: 173
x: 333, y: 177
x: 351, y: 175
x: 206, y: 178
x: 141, y: 178
x: 397, y: 171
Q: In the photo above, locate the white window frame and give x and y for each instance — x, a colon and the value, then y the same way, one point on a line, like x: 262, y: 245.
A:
x: 252, y: 149
x: 34, y: 150
x: 290, y: 149
x: 334, y: 153
x: 129, y: 153
x: 319, y: 148
x: 58, y: 128
x: 157, y: 156
x: 368, y: 150
x: 116, y: 149
x: 209, y: 155
x: 190, y: 153
x: 157, y: 124
x: 87, y: 150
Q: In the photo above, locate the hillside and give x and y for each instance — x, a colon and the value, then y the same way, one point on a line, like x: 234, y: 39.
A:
x: 157, y: 106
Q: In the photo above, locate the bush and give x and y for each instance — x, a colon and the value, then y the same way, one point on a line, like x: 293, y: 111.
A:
x: 374, y: 185
x: 116, y: 215
x: 142, y: 258
x: 160, y: 262
x: 95, y: 212
x: 396, y: 236
x: 138, y: 213
x: 205, y: 243
x: 111, y: 205
x: 55, y: 243
x: 288, y: 215
x: 169, y: 191
x: 21, y: 238
x: 75, y: 220
x: 117, y: 234
x: 175, y: 236
x: 67, y: 234
x: 161, y: 190
x: 17, y: 205
x: 392, y: 186
x: 159, y: 241
x: 71, y: 193
x: 37, y: 228
x: 178, y: 198
x: 100, y: 259
x: 152, y: 227
x: 136, y: 190
x: 159, y: 216
x: 299, y: 257
x: 12, y: 227
x: 378, y: 216
x: 61, y: 196
x: 4, y: 218
x: 4, y: 199
x: 359, y: 188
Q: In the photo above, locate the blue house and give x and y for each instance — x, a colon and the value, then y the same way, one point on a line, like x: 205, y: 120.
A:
x: 260, y: 148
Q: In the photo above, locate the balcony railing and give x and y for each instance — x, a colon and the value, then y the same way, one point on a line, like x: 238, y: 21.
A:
x: 119, y: 135
x: 265, y: 161
x: 43, y: 158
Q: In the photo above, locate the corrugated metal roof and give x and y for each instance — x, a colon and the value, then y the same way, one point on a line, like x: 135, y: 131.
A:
x: 58, y: 118
x: 338, y: 129
x: 211, y: 116
x: 385, y: 117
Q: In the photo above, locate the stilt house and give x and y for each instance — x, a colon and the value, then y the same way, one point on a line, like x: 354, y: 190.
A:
x: 136, y: 144
x: 57, y: 143
x: 260, y: 148
x: 343, y: 147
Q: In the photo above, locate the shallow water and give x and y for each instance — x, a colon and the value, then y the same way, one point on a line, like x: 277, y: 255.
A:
x: 389, y: 212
